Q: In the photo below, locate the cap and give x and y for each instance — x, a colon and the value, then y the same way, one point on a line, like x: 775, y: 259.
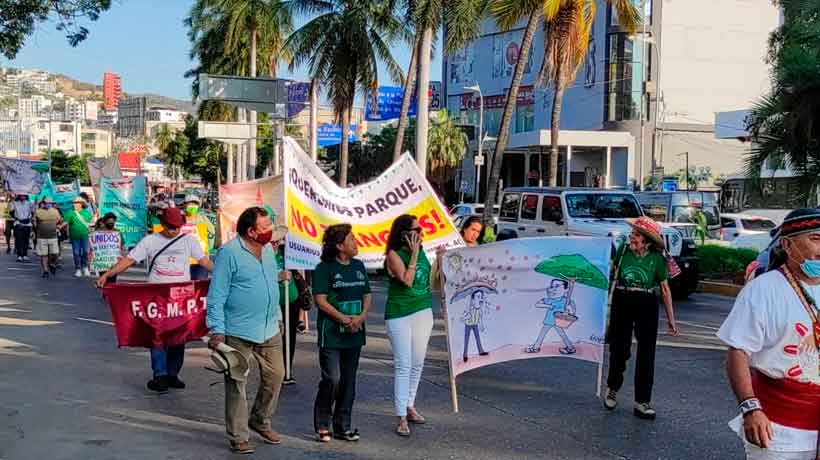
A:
x: 172, y: 217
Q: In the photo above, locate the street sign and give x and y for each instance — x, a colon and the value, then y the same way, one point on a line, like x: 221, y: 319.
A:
x: 479, y: 160
x: 330, y: 134
x: 260, y: 94
x: 228, y: 132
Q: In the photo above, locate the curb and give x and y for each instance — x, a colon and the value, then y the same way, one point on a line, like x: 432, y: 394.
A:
x: 718, y: 288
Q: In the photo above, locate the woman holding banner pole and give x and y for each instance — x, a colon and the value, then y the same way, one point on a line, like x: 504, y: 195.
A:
x: 408, y: 315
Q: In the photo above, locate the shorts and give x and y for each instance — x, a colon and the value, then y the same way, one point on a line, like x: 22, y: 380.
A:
x: 48, y: 247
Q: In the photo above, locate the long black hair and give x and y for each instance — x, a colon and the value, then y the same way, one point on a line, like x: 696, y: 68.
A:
x: 334, y: 235
x: 474, y: 220
x: 400, y: 227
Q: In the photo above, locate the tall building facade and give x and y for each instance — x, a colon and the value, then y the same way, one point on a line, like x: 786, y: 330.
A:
x: 657, y: 89
x: 112, y: 90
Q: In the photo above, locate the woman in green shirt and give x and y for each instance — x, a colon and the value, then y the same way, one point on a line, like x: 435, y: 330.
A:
x: 641, y: 267
x: 342, y: 292
x: 408, y: 315
x: 79, y: 221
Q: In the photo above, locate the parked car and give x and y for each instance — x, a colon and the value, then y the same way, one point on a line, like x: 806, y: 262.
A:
x: 539, y: 211
x: 680, y: 210
x: 471, y: 209
x: 736, y: 225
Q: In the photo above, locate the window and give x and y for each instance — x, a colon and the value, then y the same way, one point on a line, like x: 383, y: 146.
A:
x: 625, y: 80
x: 602, y: 206
x: 726, y: 222
x: 524, y: 119
x: 492, y: 121
x: 509, y: 207
x: 529, y: 208
x: 551, y: 209
x: 758, y: 225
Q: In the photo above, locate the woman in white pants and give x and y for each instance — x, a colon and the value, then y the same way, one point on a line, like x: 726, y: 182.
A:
x: 408, y: 315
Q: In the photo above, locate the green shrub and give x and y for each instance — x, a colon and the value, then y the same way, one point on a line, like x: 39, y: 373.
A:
x: 718, y: 262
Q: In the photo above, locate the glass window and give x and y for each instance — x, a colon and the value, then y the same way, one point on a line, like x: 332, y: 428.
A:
x: 551, y: 209
x: 524, y: 118
x: 757, y: 224
x: 626, y: 71
x: 726, y: 222
x: 529, y: 208
x: 509, y: 207
x: 492, y: 121
x: 688, y: 214
x: 602, y: 206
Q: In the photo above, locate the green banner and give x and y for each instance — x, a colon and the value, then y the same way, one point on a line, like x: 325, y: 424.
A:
x: 125, y: 197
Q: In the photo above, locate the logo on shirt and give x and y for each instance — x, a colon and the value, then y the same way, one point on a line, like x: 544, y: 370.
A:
x: 360, y: 275
x: 338, y: 276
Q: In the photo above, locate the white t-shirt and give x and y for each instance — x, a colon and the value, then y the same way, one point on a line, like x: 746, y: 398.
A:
x: 172, y: 265
x: 769, y: 322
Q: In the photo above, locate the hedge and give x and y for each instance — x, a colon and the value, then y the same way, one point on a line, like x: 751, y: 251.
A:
x: 721, y: 262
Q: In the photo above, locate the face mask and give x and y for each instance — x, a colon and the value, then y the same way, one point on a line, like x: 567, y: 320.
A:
x: 192, y: 209
x: 810, y: 267
x: 110, y: 225
x: 264, y: 238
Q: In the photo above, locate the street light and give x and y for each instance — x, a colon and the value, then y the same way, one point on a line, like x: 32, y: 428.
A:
x: 479, y: 158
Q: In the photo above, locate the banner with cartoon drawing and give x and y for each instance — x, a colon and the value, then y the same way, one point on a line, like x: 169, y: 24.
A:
x: 526, y: 298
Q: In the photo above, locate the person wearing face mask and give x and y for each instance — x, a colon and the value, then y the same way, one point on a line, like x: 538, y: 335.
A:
x: 166, y: 254
x: 199, y: 227
x: 773, y: 332
x: 243, y: 312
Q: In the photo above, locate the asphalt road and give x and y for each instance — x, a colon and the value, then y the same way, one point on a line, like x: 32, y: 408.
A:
x: 67, y: 392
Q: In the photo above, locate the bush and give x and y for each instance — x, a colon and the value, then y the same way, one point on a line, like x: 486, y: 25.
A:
x: 721, y: 262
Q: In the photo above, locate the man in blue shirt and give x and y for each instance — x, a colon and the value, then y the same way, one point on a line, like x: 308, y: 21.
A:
x: 556, y: 302
x: 243, y: 312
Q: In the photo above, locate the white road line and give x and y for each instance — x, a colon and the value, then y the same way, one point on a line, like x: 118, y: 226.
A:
x: 9, y: 309
x: 702, y: 326
x: 90, y: 320
x: 699, y: 346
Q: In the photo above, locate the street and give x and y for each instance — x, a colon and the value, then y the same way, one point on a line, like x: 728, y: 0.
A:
x: 69, y: 393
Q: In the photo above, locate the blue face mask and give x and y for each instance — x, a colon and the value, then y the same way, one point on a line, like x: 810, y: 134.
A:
x: 811, y: 268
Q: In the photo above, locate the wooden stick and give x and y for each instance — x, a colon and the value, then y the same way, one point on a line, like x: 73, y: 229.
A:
x: 453, y: 388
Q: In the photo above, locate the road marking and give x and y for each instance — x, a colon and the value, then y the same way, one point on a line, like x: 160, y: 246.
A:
x: 4, y: 302
x: 699, y: 346
x: 9, y: 309
x: 90, y: 320
x: 702, y: 326
x: 21, y: 269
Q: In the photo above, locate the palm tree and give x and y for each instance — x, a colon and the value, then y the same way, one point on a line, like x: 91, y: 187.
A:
x: 163, y: 138
x: 343, y: 46
x: 446, y: 147
x: 409, y: 83
x: 568, y: 25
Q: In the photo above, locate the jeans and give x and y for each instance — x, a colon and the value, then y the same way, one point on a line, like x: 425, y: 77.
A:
x: 79, y: 249
x: 337, y: 389
x: 167, y: 361
x: 408, y: 338
x: 22, y: 235
x: 271, y: 372
x: 636, y: 311
x: 561, y: 333
x: 474, y: 329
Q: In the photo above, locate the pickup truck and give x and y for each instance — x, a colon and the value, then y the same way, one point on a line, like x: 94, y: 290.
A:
x: 541, y: 211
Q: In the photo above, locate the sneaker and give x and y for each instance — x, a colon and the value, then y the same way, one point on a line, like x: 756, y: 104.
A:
x: 25, y: 259
x: 86, y: 272
x: 567, y: 351
x: 157, y: 384
x: 174, y: 382
x: 78, y: 273
x: 301, y: 327
x: 289, y: 381
x: 243, y: 447
x: 19, y: 259
x: 610, y: 400
x: 45, y: 275
x: 349, y: 435
x: 643, y: 411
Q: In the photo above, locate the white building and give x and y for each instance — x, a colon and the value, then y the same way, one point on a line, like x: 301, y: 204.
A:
x: 33, y: 107
x: 658, y: 89
x: 81, y: 110
x: 98, y: 143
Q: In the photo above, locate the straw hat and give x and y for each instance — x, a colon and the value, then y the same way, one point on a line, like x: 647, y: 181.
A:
x: 648, y: 228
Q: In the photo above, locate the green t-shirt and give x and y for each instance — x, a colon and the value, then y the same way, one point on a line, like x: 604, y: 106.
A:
x: 77, y: 226
x: 645, y: 272
x: 345, y: 287
x: 293, y: 293
x: 404, y: 301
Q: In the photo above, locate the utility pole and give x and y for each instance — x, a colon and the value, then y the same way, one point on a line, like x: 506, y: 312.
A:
x: 314, y: 120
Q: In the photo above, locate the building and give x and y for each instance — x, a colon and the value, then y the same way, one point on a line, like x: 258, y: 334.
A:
x: 131, y: 117
x: 80, y: 110
x: 638, y: 103
x: 112, y: 90
x: 33, y: 107
x: 98, y: 143
x: 33, y: 137
x: 156, y: 117
x: 30, y: 81
x: 107, y: 119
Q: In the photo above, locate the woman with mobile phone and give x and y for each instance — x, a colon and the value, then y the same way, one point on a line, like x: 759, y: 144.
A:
x: 408, y: 315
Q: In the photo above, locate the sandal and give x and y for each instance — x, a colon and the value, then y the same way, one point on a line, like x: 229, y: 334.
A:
x: 323, y: 436
x: 416, y: 418
x: 403, y: 432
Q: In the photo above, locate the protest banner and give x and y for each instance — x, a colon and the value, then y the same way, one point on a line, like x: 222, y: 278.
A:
x: 125, y: 197
x: 62, y: 194
x: 103, y: 167
x: 105, y: 250
x: 235, y: 198
x: 23, y: 177
x: 526, y: 298
x: 154, y: 315
x: 313, y: 202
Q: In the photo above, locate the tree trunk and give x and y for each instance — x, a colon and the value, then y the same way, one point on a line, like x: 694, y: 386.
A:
x: 506, y: 118
x: 422, y: 111
x: 409, y: 84
x: 555, y: 129
x: 343, y: 154
x: 252, y: 144
x: 273, y: 61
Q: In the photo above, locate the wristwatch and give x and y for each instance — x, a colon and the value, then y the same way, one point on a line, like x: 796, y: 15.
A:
x: 750, y: 405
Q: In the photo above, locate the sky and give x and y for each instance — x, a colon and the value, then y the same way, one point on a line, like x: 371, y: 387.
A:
x: 145, y: 42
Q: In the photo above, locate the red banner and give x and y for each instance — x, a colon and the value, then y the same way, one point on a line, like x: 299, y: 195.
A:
x: 151, y: 315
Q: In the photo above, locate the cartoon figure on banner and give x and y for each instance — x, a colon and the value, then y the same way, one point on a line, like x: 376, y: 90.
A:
x: 473, y: 317
x: 566, y: 271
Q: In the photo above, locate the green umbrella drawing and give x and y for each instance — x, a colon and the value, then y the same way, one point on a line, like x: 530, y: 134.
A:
x: 40, y: 166
x: 574, y: 268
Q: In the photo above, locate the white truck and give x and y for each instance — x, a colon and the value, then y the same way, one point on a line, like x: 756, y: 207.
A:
x: 541, y: 211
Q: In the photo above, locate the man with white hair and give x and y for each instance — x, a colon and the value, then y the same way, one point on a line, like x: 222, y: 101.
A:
x: 773, y: 333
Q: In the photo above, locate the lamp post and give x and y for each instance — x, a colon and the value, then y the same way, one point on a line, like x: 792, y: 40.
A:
x: 687, y: 168
x: 479, y: 158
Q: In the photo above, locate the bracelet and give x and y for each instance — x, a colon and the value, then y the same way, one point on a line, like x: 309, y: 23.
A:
x: 749, y: 405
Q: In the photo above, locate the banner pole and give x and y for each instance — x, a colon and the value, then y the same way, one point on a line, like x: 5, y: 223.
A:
x: 288, y: 351
x: 616, y: 270
x: 443, y: 297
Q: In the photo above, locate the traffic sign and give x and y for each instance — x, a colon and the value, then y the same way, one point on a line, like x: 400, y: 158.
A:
x: 260, y: 94
x: 228, y: 132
